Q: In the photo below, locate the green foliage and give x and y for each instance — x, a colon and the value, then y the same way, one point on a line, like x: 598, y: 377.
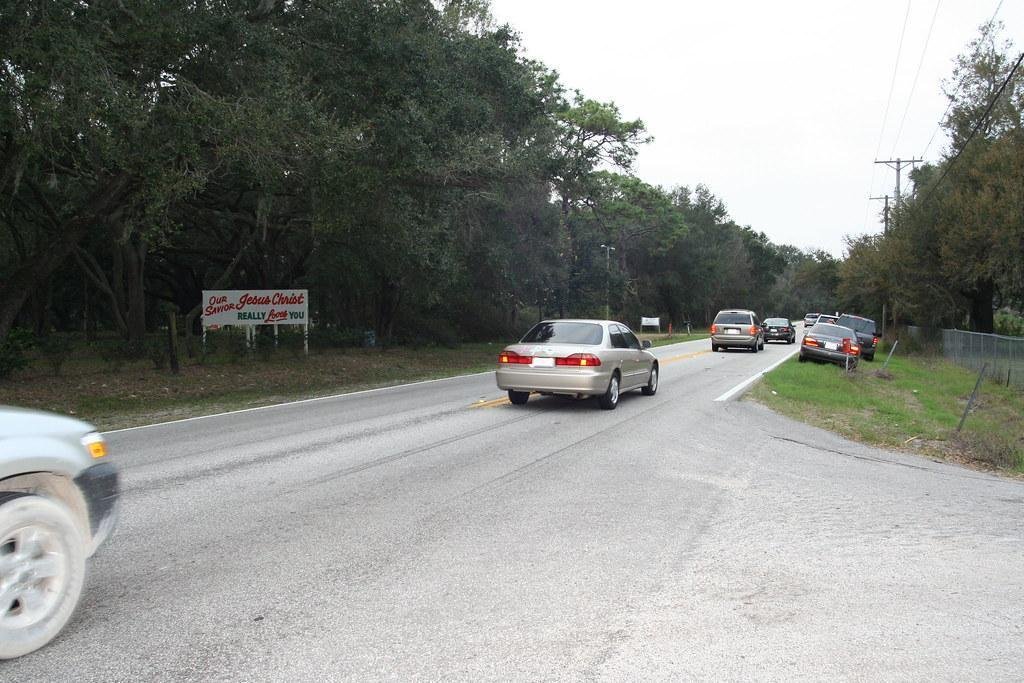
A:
x: 955, y: 248
x: 115, y: 352
x: 157, y: 352
x: 335, y: 338
x: 403, y: 161
x: 13, y: 352
x: 1009, y: 324
x: 55, y: 349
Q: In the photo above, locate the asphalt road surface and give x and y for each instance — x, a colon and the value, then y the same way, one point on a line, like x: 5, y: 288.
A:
x: 435, y: 532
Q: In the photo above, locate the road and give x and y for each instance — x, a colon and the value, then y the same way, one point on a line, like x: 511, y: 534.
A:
x: 435, y: 532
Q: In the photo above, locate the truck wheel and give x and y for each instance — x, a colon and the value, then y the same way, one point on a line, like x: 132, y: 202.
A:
x: 42, y: 570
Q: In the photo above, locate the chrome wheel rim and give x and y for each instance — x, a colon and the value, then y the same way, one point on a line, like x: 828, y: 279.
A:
x: 613, y: 390
x: 654, y: 379
x: 33, y: 575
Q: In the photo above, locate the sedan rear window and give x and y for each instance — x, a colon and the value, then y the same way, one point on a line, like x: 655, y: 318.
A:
x: 564, y: 333
x: 776, y: 322
x: 827, y: 330
x: 732, y: 319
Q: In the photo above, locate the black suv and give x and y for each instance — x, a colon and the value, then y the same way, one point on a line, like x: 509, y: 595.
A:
x: 866, y: 330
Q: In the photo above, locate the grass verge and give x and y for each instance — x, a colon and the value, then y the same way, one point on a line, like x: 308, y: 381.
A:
x: 138, y: 394
x: 665, y: 339
x: 913, y: 406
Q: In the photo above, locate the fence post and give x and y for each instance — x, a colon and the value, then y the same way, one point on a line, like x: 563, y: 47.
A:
x: 970, y: 401
x: 889, y: 357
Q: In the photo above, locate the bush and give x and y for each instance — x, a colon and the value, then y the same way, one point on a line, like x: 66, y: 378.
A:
x: 263, y: 343
x: 1009, y: 324
x: 235, y: 344
x: 55, y: 349
x: 156, y: 351
x: 12, y: 351
x: 115, y: 353
x: 334, y: 338
x: 291, y: 338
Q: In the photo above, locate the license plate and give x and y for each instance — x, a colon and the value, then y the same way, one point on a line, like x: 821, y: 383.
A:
x: 831, y: 346
x: 774, y: 329
x: 543, y: 363
x: 732, y: 331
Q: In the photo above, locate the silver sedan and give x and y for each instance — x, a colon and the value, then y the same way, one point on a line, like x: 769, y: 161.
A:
x: 580, y: 358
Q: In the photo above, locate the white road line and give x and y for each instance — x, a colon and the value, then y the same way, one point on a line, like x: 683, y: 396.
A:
x: 293, y: 403
x: 750, y: 380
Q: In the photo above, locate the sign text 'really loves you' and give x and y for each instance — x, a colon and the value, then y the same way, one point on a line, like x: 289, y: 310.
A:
x: 255, y: 307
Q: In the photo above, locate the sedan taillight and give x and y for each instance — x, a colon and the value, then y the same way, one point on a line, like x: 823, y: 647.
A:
x: 513, y: 358
x: 811, y: 341
x: 579, y: 360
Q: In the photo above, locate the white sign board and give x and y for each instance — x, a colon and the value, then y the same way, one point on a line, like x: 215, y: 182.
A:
x: 255, y: 307
x: 650, y: 322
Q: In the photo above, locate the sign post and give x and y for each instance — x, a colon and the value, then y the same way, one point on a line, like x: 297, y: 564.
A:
x: 249, y: 308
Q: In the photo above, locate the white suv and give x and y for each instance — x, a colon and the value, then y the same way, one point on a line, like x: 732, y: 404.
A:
x: 58, y: 503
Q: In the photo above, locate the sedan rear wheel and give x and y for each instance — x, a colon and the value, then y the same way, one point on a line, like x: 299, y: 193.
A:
x: 652, y: 383
x: 610, y: 398
x: 518, y: 397
x: 42, y: 569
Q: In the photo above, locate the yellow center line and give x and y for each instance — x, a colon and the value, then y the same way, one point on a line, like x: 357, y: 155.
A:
x: 492, y: 403
x: 673, y: 359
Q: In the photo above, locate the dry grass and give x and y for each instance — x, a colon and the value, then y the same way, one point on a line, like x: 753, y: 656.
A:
x: 138, y: 394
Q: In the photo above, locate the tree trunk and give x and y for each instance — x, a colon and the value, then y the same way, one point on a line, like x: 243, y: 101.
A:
x: 134, y: 260
x: 35, y: 270
x: 981, y: 306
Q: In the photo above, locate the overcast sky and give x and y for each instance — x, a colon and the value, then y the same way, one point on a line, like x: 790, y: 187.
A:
x: 776, y: 106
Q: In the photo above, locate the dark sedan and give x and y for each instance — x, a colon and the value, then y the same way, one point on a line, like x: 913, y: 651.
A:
x: 779, y: 329
x: 830, y: 344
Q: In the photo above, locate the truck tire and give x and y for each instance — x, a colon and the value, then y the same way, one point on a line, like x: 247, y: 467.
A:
x: 42, y: 567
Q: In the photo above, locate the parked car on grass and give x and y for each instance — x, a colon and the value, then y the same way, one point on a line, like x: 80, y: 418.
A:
x: 867, y: 333
x: 581, y: 358
x: 831, y: 344
x: 58, y: 503
x: 737, y: 328
x: 827, y: 319
x: 779, y: 329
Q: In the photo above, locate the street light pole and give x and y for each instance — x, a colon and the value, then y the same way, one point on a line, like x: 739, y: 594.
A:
x: 607, y: 278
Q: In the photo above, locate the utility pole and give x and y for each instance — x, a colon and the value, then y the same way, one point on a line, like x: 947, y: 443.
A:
x: 899, y: 171
x: 885, y: 213
x: 607, y: 278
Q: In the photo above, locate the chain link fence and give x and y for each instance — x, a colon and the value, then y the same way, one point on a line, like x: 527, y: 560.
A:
x: 1004, y: 355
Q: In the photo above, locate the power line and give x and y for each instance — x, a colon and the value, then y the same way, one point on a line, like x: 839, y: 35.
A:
x: 977, y: 126
x: 892, y: 83
x: 955, y: 92
x: 885, y: 117
x: 917, y: 74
